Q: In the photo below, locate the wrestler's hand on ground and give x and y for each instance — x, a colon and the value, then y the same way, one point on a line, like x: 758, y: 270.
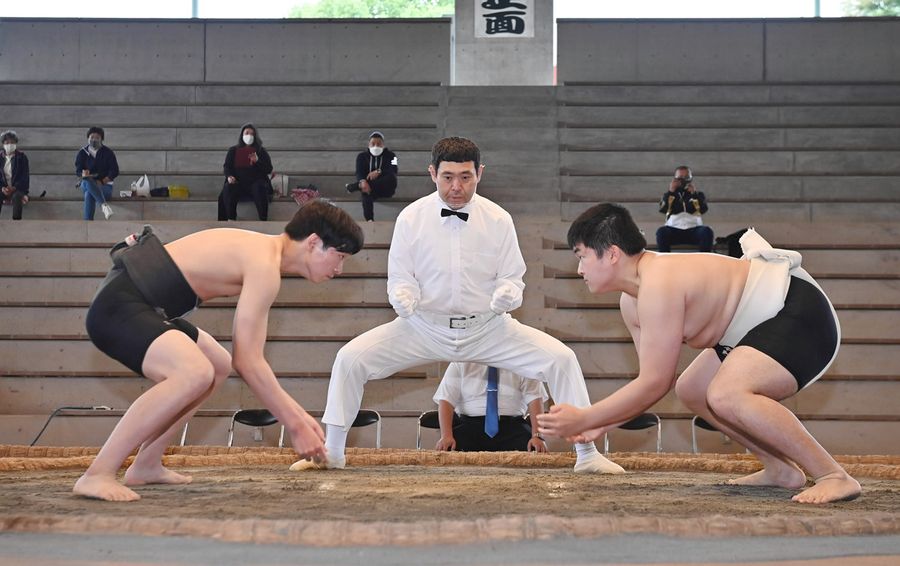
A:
x: 563, y: 421
x: 404, y: 303
x: 308, y: 439
x: 445, y: 444
x: 537, y: 444
x: 504, y: 298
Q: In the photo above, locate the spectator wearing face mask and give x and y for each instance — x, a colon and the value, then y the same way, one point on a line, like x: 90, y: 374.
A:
x: 97, y: 166
x: 376, y: 174
x: 248, y: 170
x: 14, y: 176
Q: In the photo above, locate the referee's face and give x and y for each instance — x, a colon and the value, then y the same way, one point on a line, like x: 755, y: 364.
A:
x: 456, y: 182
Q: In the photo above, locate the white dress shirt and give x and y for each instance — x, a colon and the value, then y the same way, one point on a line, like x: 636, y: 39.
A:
x: 452, y: 266
x: 465, y: 387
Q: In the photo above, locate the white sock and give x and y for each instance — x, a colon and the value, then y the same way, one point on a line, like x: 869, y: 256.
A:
x: 335, y: 441
x: 585, y: 451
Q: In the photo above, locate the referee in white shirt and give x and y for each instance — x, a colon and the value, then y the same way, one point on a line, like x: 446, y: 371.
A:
x: 454, y: 270
x: 463, y: 390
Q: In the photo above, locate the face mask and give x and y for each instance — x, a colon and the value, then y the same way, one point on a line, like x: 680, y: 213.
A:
x: 376, y: 150
x: 9, y: 147
x: 248, y: 140
x: 95, y: 144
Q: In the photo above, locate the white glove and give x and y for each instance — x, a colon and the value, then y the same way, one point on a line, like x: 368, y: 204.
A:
x: 404, y: 302
x: 504, y: 298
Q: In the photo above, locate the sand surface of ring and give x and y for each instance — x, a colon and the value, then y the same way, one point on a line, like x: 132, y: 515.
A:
x: 379, y: 500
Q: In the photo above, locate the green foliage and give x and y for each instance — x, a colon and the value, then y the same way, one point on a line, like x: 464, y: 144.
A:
x: 373, y: 9
x: 872, y: 8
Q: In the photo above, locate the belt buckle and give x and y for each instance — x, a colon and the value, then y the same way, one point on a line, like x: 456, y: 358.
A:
x: 460, y: 322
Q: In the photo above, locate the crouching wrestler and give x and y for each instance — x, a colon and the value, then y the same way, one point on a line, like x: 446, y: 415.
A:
x: 137, y: 318
x: 766, y: 330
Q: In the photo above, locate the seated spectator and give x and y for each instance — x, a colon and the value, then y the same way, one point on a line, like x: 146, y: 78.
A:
x: 14, y: 177
x: 465, y: 390
x: 248, y: 170
x: 97, y: 166
x: 683, y: 205
x: 376, y: 174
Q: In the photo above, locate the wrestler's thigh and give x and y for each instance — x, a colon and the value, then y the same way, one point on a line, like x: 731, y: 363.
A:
x: 214, y: 352
x: 174, y: 355
x: 747, y: 370
x: 694, y: 381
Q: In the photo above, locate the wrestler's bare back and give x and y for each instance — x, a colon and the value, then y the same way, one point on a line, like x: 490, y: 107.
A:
x: 214, y: 261
x: 709, y: 285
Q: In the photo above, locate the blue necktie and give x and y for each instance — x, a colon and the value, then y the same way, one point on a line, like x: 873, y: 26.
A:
x: 491, y: 409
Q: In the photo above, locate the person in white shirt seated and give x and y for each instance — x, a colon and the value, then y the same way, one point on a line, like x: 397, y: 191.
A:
x: 683, y: 206
x: 464, y: 390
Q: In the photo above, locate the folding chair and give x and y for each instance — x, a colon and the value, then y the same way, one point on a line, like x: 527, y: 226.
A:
x: 429, y: 419
x: 254, y: 417
x: 365, y: 417
x: 640, y: 422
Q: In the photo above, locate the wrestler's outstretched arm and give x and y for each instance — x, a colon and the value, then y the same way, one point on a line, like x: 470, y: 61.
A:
x: 656, y: 323
x: 251, y: 318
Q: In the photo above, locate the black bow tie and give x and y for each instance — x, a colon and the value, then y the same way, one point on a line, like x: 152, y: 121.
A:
x: 464, y: 216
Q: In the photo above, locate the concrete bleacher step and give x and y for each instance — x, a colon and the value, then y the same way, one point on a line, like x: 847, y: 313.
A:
x: 722, y: 162
x: 197, y: 209
x: 238, y: 94
x: 52, y: 355
x: 327, y: 323
x: 206, y: 186
x: 733, y: 116
x: 96, y: 260
x: 844, y: 293
x: 209, y: 162
x: 729, y: 94
x: 859, y: 326
x: 225, y: 116
x: 877, y: 262
x: 778, y: 212
x: 709, y: 139
x: 736, y: 188
x: 342, y: 138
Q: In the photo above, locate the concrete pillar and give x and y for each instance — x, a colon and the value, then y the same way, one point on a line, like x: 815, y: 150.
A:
x: 503, y: 42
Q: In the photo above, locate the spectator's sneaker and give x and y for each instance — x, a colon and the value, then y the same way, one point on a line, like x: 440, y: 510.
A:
x: 352, y: 187
x: 107, y: 210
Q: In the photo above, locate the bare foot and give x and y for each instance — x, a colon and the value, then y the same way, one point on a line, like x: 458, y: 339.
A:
x: 103, y: 487
x: 787, y: 476
x: 159, y: 474
x: 836, y: 486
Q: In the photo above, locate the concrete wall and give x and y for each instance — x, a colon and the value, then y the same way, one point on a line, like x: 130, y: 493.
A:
x: 197, y: 51
x: 480, y: 61
x: 715, y: 51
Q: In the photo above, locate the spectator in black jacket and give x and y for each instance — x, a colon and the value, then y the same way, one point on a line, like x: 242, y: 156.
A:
x: 14, y: 177
x: 376, y: 174
x: 248, y: 170
x: 683, y: 205
x: 97, y: 166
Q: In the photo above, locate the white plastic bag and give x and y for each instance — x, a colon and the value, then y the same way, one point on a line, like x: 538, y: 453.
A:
x: 141, y: 187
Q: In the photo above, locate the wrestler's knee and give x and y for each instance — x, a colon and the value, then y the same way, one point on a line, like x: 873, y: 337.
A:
x: 723, y: 399
x: 197, y: 376
x: 690, y: 394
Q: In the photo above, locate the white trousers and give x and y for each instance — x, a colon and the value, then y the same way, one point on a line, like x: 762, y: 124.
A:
x: 502, y: 342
